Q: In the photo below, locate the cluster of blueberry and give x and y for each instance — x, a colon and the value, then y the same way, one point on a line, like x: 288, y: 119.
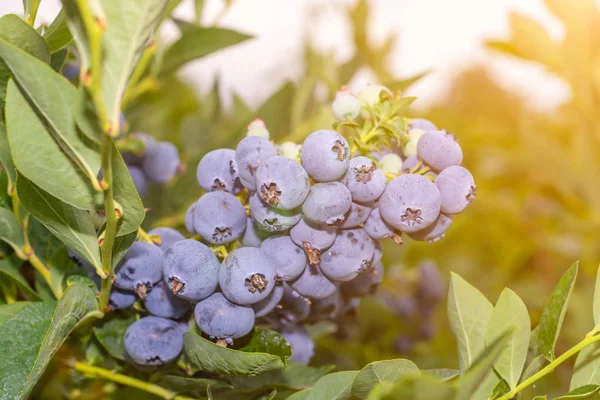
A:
x: 299, y: 231
x: 158, y: 162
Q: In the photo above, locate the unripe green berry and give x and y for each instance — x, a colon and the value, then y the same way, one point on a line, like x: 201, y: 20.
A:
x: 369, y: 96
x: 258, y: 128
x: 410, y: 148
x: 346, y: 105
x: 289, y: 150
x: 391, y: 163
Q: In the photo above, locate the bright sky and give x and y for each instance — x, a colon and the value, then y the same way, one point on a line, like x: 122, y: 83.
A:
x: 437, y: 35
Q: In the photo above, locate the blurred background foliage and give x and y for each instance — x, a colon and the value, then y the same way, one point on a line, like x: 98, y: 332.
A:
x: 538, y: 200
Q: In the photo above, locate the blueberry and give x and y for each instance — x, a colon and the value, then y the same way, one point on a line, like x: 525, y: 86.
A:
x: 251, y: 152
x: 120, y: 300
x: 350, y: 254
x: 267, y: 305
x: 326, y: 308
x: 365, y: 283
x: 189, y: 219
x: 247, y: 276
x: 325, y: 155
x: 70, y: 71
x: 355, y: 217
x: 422, y: 124
x: 378, y: 253
x: 313, y: 238
x: 365, y: 181
x: 140, y: 180
x: 140, y: 268
x: 219, y: 217
x: 153, y: 341
x: 191, y: 270
x: 216, y: 170
x: 457, y: 188
x: 410, y: 203
x: 161, y: 162
x: 282, y: 183
x: 439, y: 150
x: 327, y: 203
x: 430, y: 288
x: 303, y: 347
x: 163, y: 303
x: 270, y: 219
x: 435, y: 231
x: 345, y: 105
x: 289, y: 259
x: 123, y: 125
x: 253, y: 235
x: 312, y: 283
x: 223, y: 320
x: 378, y: 229
x: 403, y: 344
x: 167, y: 236
x: 293, y: 308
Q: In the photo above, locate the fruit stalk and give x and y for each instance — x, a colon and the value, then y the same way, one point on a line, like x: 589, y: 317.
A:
x: 98, y: 372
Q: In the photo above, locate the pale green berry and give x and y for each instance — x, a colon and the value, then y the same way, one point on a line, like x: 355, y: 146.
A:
x: 391, y: 163
x: 346, y: 105
x: 369, y: 96
x: 289, y: 150
x: 258, y: 128
x: 410, y: 148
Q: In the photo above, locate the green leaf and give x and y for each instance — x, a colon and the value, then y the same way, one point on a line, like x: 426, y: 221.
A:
x: 534, y: 367
x: 130, y: 25
x: 55, y: 170
x: 587, y: 367
x: 295, y: 376
x: 8, y: 311
x: 57, y: 60
x: 510, y: 311
x: 9, y: 268
x: 72, y: 226
x: 197, y: 43
x: 474, y: 377
x: 276, y: 111
x: 443, y: 374
x: 110, y: 334
x: 404, y: 84
x: 554, y: 313
x: 122, y: 245
x: 41, y: 328
x: 301, y: 395
x: 31, y: 7
x: 501, y: 388
x: 182, y: 384
x: 379, y: 371
x: 580, y: 393
x: 16, y: 31
x: 418, y: 387
x: 251, y: 360
x: 335, y: 386
x: 596, y: 307
x: 469, y: 312
x: 58, y: 35
x: 6, y: 158
x: 10, y: 230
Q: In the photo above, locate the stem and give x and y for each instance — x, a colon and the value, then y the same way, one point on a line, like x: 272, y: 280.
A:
x: 43, y: 270
x: 111, y: 221
x: 33, y: 12
x: 143, y: 235
x: 98, y: 372
x: 552, y: 366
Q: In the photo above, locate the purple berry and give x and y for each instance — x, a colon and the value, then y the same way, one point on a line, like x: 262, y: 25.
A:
x: 191, y: 270
x: 140, y: 181
x: 247, y: 276
x: 140, y: 268
x: 422, y: 124
x: 269, y: 303
x: 153, y: 341
x: 439, y: 150
x: 161, y: 302
x: 325, y: 155
x: 365, y: 181
x: 435, y: 231
x: 253, y: 235
x: 289, y: 259
x: 161, y: 161
x: 410, y: 203
x: 189, y: 219
x: 378, y: 229
x: 251, y: 152
x: 120, y: 300
x: 216, y: 171
x: 303, y: 347
x: 355, y: 217
x: 282, y: 183
x: 270, y: 219
x: 223, y: 320
x: 327, y: 308
x: 365, y: 283
x: 219, y: 217
x: 312, y: 283
x: 350, y: 254
x: 457, y: 188
x: 167, y: 236
x: 293, y: 308
x: 327, y: 203
x: 313, y: 238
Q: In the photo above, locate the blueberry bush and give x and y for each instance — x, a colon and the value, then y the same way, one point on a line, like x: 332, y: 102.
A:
x: 269, y: 242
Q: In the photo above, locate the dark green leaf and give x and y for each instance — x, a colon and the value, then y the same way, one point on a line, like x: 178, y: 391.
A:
x: 301, y: 395
x: 6, y: 158
x: 580, y: 393
x: 57, y: 62
x: 295, y: 376
x: 55, y: 170
x: 510, y: 312
x: 379, y: 371
x: 122, y: 244
x: 9, y: 268
x: 469, y: 312
x: 501, y: 388
x: 58, y: 35
x: 41, y: 328
x: 335, y: 386
x: 182, y: 384
x: 443, y: 374
x: 554, y: 313
x: 205, y: 355
x: 8, y: 311
x: 10, y: 230
x: 110, y: 335
x: 76, y: 25
x: 72, y: 226
x: 418, y: 387
x: 130, y: 25
x: 197, y: 43
x: 270, y: 342
x: 16, y: 31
